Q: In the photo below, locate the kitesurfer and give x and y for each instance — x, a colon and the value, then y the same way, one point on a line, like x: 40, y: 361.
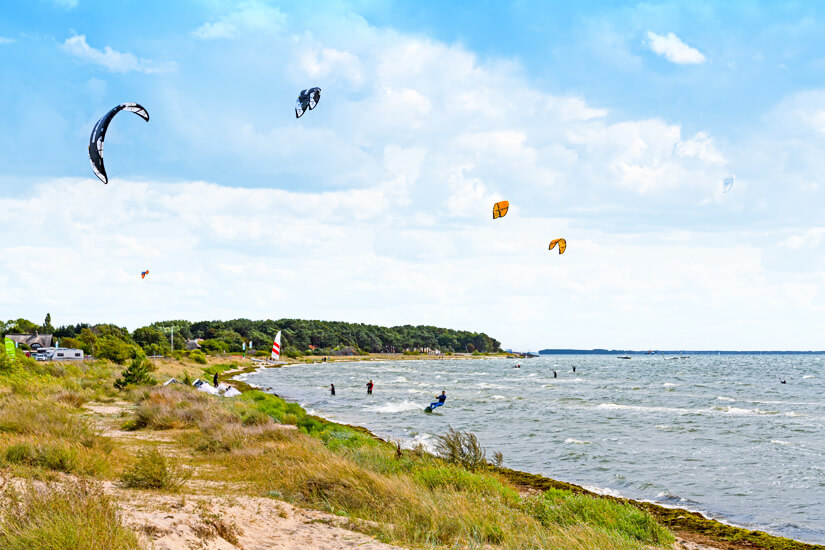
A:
x: 783, y: 381
x: 332, y: 389
x: 440, y: 399
x: 369, y: 387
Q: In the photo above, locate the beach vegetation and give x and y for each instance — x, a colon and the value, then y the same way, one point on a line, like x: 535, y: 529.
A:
x: 154, y: 470
x: 75, y: 515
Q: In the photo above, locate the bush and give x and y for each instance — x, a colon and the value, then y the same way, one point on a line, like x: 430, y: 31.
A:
x: 136, y: 374
x: 155, y: 471
x: 51, y: 457
x: 461, y: 448
x: 198, y: 357
x: 74, y: 516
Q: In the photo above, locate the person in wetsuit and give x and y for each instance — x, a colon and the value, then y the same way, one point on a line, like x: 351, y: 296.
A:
x: 332, y: 389
x: 440, y: 399
x: 215, y: 380
x: 555, y: 374
x: 369, y: 387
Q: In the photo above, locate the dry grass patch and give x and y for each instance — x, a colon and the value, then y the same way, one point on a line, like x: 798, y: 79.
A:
x: 70, y: 516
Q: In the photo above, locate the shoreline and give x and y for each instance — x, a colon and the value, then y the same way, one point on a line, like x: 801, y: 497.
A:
x: 692, y: 526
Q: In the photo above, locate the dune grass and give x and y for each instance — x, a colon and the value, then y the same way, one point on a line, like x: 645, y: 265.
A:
x: 68, y: 516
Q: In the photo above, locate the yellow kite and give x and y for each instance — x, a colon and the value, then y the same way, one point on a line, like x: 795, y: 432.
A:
x: 562, y: 245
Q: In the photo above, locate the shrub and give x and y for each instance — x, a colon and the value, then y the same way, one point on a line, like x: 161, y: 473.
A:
x: 198, y: 357
x: 73, y: 516
x: 461, y: 448
x: 136, y: 374
x: 155, y: 471
x: 51, y: 457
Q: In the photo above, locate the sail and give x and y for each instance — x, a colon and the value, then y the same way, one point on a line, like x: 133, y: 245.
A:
x: 276, y: 346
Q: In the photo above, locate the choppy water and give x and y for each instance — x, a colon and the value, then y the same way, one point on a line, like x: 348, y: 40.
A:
x: 717, y: 434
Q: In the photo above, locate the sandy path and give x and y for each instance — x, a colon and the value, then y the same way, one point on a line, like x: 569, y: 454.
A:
x: 186, y: 522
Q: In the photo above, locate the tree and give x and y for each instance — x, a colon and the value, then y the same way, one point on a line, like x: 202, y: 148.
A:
x: 136, y: 374
x: 47, y: 327
x: 152, y: 340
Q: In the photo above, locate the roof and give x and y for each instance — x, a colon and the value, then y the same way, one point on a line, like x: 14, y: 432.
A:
x: 32, y: 340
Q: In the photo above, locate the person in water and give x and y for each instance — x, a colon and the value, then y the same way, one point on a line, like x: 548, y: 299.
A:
x: 369, y: 387
x: 440, y: 399
x: 574, y: 369
x: 555, y: 374
x: 332, y: 389
x: 215, y: 380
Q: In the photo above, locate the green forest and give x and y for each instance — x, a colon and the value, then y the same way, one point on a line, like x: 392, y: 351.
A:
x: 299, y: 337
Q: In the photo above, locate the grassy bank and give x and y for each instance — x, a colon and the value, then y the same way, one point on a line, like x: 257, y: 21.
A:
x: 177, y: 441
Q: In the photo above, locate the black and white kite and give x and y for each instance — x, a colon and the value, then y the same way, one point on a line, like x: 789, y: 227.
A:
x: 307, y: 101
x: 99, y: 133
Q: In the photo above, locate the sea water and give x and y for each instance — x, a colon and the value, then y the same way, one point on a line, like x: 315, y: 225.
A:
x: 717, y: 434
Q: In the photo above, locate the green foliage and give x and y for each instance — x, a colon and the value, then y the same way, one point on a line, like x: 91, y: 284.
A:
x: 461, y: 448
x: 20, y: 326
x: 136, y: 374
x: 152, y: 340
x: 52, y: 457
x: 153, y: 470
x: 198, y: 357
x: 73, y: 516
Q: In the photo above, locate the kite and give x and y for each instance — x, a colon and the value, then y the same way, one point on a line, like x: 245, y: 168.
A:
x: 307, y: 100
x: 727, y: 183
x: 99, y: 133
x: 500, y: 209
x: 562, y: 245
x: 143, y: 274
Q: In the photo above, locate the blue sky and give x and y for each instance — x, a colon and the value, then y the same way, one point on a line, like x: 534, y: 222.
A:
x: 609, y: 123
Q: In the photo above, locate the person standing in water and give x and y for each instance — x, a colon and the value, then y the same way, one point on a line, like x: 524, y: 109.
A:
x: 332, y: 389
x: 555, y: 374
x: 369, y: 387
x: 574, y: 369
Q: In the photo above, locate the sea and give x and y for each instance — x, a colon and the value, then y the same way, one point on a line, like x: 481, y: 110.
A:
x: 716, y: 434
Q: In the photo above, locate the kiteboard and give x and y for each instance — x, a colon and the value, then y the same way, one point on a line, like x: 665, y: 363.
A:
x: 430, y: 408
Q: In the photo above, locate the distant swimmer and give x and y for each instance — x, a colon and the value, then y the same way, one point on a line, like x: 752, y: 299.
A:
x: 332, y: 389
x: 517, y: 366
x: 574, y: 369
x: 369, y: 387
x: 555, y: 374
x: 440, y: 399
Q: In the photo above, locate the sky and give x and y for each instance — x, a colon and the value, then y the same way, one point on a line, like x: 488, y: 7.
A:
x: 611, y: 124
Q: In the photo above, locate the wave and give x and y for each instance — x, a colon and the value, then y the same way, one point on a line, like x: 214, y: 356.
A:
x: 603, y: 491
x: 618, y: 407
x: 576, y: 441
x: 728, y: 399
x: 780, y: 442
x: 669, y: 385
x: 397, y: 407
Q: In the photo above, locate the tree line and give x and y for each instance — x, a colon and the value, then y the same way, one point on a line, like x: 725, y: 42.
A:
x: 299, y: 337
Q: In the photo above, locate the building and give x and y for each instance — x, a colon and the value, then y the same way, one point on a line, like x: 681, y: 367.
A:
x: 34, y: 341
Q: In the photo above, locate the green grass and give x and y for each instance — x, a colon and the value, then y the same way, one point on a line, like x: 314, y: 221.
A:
x: 71, y: 516
x: 153, y: 470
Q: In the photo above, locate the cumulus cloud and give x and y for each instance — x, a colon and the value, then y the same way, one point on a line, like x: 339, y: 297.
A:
x: 672, y: 48
x: 250, y: 17
x: 112, y: 60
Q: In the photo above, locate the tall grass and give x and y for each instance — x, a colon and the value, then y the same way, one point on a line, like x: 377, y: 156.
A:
x: 71, y: 516
x: 153, y: 470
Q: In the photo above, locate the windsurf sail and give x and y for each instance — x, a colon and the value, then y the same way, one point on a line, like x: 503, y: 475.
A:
x: 276, y: 347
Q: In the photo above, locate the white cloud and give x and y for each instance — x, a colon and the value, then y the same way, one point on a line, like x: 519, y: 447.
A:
x: 672, y: 48
x: 251, y: 17
x: 4, y: 40
x: 112, y: 60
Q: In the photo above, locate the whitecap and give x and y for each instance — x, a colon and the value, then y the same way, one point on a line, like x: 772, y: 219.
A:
x: 576, y: 441
x: 396, y: 407
x: 729, y: 399
x: 780, y: 442
x: 808, y: 376
x: 499, y: 397
x: 602, y: 491
x: 669, y: 385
